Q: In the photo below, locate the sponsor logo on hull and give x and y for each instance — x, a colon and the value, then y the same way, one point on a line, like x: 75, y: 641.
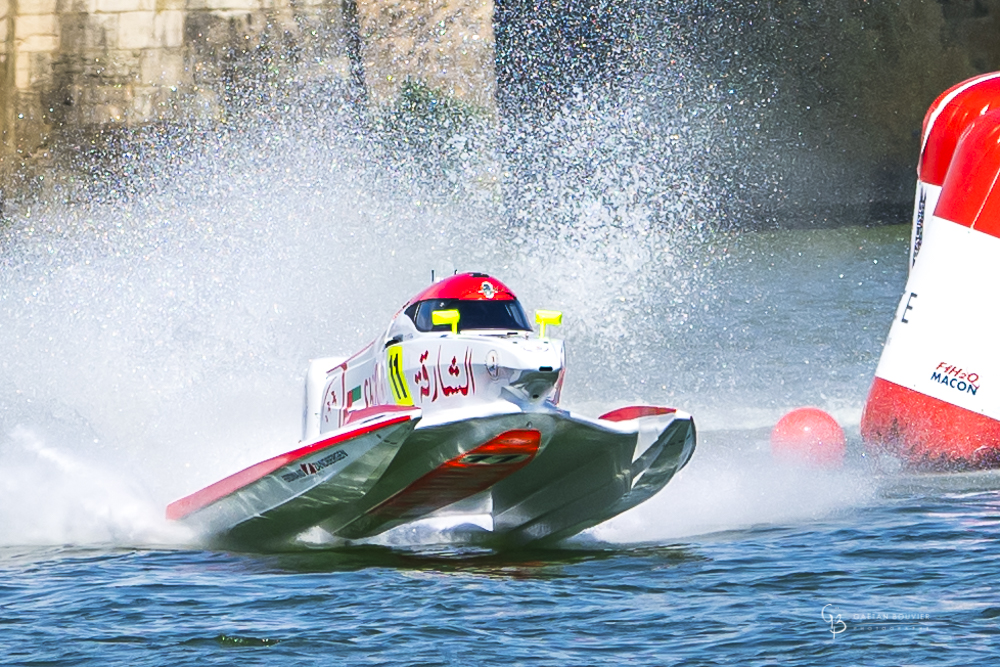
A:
x: 956, y: 378
x: 306, y: 469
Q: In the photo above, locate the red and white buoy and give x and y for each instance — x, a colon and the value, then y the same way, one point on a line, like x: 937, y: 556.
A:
x: 935, y: 400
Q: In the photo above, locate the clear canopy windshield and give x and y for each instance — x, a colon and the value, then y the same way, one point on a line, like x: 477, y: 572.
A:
x: 502, y: 315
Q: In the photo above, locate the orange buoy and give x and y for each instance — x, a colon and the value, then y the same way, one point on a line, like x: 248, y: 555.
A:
x: 809, y: 435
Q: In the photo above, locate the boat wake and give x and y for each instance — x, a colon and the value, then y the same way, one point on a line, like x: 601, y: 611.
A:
x: 716, y: 496
x: 50, y: 496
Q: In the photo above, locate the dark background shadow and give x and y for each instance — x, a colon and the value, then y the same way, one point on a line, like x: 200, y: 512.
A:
x: 812, y: 109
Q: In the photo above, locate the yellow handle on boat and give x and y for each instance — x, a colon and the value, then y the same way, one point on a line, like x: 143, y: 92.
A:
x: 439, y: 317
x: 546, y: 317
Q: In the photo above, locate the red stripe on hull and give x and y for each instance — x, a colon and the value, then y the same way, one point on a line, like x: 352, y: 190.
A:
x: 928, y: 433
x: 634, y: 412
x: 363, y: 414
x: 224, y: 487
x: 462, y: 476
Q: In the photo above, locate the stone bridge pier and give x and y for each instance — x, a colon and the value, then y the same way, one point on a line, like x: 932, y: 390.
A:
x: 94, y: 64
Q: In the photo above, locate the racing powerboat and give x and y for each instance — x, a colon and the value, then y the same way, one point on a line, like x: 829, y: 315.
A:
x: 453, y: 410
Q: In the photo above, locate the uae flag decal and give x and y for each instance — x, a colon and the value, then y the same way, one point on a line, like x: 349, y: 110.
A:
x: 354, y: 396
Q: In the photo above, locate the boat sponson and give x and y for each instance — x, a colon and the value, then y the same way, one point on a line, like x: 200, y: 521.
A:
x: 277, y: 506
x: 550, y: 500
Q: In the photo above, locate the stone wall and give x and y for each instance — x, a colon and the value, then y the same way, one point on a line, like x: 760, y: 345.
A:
x: 6, y: 69
x: 109, y: 63
x: 445, y: 45
x: 100, y: 63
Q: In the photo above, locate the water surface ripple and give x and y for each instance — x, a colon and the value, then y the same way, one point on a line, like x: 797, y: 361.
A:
x: 907, y: 579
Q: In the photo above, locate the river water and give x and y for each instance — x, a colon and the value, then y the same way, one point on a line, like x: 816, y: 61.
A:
x: 153, y: 342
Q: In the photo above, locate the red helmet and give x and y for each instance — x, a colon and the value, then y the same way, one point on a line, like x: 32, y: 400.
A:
x: 467, y: 287
x: 481, y: 301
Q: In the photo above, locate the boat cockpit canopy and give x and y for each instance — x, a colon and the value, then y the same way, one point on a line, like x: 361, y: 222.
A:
x: 506, y: 315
